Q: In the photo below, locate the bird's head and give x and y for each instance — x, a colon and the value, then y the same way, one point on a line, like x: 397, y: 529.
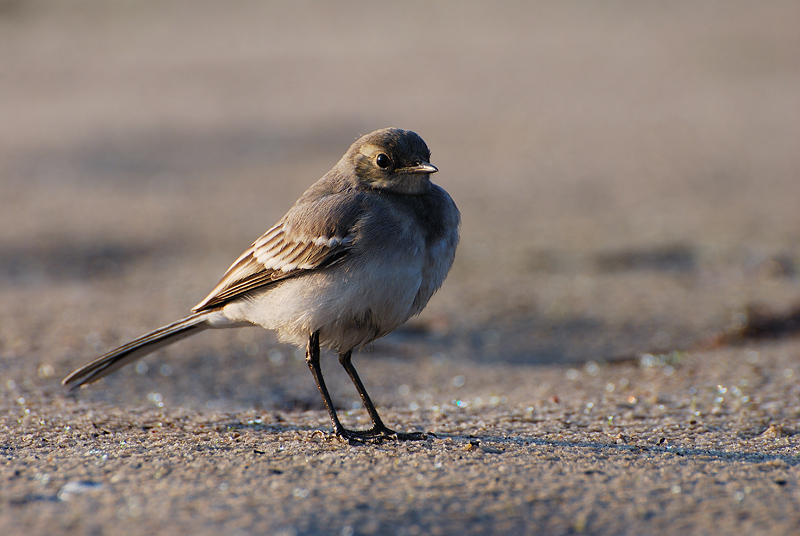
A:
x: 392, y: 159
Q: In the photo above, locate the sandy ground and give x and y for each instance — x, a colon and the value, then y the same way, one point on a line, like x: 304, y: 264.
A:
x: 614, y: 352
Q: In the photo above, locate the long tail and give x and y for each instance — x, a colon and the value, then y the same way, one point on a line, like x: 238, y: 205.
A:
x: 150, y: 342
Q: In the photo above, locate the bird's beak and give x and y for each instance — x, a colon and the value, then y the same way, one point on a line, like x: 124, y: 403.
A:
x: 422, y: 167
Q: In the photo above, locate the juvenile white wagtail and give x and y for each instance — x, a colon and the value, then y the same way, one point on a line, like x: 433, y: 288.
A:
x: 358, y: 254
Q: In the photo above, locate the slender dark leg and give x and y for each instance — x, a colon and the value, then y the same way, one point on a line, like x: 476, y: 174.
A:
x: 345, y: 360
x: 378, y: 430
x: 312, y: 358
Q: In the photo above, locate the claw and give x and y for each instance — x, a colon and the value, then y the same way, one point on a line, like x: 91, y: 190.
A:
x: 378, y: 435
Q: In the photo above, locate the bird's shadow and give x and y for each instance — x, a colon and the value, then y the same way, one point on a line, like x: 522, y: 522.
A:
x: 498, y: 444
x: 493, y: 444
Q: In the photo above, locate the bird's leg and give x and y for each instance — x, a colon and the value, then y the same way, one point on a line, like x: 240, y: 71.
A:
x: 312, y: 358
x: 346, y: 362
x: 378, y: 430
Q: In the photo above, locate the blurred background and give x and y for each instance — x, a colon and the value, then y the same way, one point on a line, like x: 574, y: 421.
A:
x: 628, y: 174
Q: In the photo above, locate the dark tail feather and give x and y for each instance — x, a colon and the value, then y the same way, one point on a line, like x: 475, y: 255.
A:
x: 116, y: 359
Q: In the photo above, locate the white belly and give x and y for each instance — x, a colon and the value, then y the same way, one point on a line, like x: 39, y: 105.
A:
x: 350, y: 304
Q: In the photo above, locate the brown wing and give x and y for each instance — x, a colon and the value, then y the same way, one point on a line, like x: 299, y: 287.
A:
x: 274, y: 257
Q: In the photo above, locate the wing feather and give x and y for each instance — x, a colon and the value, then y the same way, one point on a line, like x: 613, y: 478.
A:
x: 272, y: 258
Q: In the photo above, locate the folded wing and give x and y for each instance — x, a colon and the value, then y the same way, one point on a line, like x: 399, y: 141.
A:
x: 274, y: 257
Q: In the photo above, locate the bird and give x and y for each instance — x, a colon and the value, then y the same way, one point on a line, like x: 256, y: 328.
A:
x: 356, y: 256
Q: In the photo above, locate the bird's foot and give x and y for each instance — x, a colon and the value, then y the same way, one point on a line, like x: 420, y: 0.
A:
x: 378, y: 434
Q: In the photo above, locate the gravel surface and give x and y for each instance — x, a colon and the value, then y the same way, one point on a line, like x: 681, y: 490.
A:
x: 615, y: 351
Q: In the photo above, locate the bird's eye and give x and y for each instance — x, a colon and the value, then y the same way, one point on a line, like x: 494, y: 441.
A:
x: 383, y: 161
